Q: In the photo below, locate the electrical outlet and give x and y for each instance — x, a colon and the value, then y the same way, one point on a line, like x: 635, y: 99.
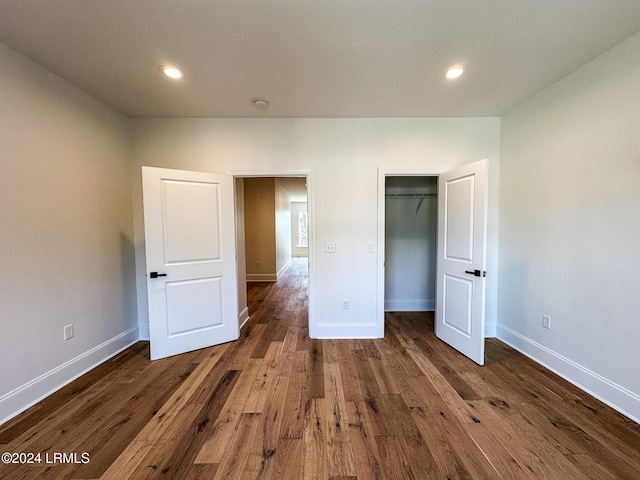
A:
x: 68, y: 332
x: 546, y: 321
x: 345, y: 303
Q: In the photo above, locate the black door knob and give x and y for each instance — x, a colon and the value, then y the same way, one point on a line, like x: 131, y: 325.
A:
x: 477, y: 273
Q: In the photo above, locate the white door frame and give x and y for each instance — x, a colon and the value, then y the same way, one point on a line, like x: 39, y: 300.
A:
x: 383, y: 173
x: 308, y: 175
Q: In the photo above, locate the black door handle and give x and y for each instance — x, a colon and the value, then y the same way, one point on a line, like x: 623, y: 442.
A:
x: 477, y: 273
x: 156, y: 274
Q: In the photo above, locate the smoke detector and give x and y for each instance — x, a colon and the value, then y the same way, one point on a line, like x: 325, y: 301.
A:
x: 260, y: 103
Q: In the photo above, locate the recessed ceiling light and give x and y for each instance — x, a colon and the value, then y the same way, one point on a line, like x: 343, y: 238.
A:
x: 171, y: 71
x: 455, y: 72
x: 260, y: 103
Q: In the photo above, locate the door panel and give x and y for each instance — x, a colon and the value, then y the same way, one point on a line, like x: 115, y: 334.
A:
x: 190, y: 245
x: 459, y: 219
x: 191, y: 234
x: 458, y: 293
x: 193, y: 305
x: 460, y: 297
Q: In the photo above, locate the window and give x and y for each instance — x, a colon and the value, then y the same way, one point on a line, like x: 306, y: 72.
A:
x: 303, y: 236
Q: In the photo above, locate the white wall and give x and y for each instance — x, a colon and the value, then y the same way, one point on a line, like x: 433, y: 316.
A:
x: 410, y: 245
x: 570, y: 229
x: 343, y: 211
x: 65, y: 230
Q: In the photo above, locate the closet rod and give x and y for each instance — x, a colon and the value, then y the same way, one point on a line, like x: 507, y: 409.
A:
x: 411, y: 195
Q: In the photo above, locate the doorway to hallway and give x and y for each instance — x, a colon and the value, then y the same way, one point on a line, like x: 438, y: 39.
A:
x: 273, y: 241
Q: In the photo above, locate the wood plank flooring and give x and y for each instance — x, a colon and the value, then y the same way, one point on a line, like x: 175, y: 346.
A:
x: 277, y: 404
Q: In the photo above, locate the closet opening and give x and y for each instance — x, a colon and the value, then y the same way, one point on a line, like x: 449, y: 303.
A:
x: 411, y: 210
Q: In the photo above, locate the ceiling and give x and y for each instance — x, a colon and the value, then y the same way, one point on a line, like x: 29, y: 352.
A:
x: 311, y: 58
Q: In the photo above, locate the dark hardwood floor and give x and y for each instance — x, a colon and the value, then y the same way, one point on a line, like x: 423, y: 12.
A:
x: 277, y: 404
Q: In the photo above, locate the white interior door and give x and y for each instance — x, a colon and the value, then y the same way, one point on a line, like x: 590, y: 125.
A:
x: 191, y: 260
x: 460, y: 296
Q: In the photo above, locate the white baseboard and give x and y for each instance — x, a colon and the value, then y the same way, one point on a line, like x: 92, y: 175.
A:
x: 243, y: 317
x: 490, y: 330
x: 261, y: 277
x: 342, y: 331
x: 410, y: 305
x: 617, y: 397
x: 269, y: 277
x: 27, y: 395
x: 284, y: 268
x: 143, y: 332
